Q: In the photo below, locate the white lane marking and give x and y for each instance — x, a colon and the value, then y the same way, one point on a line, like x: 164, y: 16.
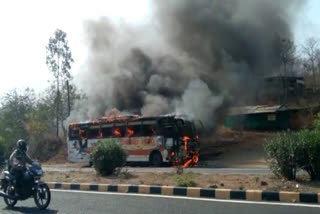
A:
x: 190, y: 198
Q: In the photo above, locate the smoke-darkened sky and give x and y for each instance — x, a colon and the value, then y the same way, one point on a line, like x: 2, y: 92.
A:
x: 194, y: 58
x: 29, y: 50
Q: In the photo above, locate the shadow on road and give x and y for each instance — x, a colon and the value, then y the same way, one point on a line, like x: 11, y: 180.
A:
x: 31, y: 210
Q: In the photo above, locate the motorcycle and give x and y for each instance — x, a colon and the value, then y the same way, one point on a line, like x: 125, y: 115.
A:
x: 32, y: 187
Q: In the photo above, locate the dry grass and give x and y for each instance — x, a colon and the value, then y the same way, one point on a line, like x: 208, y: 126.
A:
x: 242, y: 182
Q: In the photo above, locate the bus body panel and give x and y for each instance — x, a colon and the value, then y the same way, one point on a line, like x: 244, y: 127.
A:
x: 137, y: 148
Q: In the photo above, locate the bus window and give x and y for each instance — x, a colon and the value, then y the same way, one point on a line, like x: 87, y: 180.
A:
x: 169, y: 131
x: 83, y: 133
x: 148, y: 130
x: 93, y: 133
x: 187, y: 130
x: 106, y: 131
x: 133, y: 130
x: 73, y: 133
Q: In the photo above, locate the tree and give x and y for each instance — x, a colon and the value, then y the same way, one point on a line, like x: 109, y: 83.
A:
x: 41, y: 120
x: 14, y: 115
x: 287, y: 56
x: 311, y: 51
x: 58, y: 60
x: 3, y: 151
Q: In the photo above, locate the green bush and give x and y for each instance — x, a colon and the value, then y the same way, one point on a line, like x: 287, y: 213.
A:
x: 186, y: 180
x: 282, y: 154
x: 310, y: 153
x: 3, y: 151
x: 106, y: 156
x: 316, y: 122
x: 288, y: 152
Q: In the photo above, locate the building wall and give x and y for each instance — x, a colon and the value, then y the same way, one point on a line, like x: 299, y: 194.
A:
x: 260, y: 121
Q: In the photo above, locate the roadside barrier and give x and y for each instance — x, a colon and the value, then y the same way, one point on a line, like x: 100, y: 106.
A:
x: 250, y: 195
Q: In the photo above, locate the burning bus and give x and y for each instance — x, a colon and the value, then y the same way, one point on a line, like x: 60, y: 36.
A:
x: 171, y: 139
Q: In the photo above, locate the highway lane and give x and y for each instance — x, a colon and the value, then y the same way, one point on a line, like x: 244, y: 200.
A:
x: 92, y: 202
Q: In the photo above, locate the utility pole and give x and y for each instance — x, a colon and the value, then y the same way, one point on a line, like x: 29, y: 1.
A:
x: 68, y: 92
x: 58, y: 97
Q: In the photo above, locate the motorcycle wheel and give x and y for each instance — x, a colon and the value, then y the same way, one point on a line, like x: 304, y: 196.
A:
x: 42, y: 196
x: 9, y: 189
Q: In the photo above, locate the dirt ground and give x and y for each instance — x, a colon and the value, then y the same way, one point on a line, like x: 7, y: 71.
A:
x: 234, y: 149
x: 241, y: 182
x: 227, y: 149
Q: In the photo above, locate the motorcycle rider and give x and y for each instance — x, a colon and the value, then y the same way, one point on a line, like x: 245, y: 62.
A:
x: 18, y: 160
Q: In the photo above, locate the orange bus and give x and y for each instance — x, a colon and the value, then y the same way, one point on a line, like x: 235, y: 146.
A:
x: 156, y: 140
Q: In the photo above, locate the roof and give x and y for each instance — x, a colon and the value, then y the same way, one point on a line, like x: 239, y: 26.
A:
x: 284, y: 76
x: 260, y: 109
x: 256, y: 109
x: 130, y: 118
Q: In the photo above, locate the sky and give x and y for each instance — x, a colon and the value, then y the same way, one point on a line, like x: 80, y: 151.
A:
x: 27, y: 25
x: 308, y: 23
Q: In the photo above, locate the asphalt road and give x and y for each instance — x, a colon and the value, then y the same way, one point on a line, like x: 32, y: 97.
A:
x: 81, y: 202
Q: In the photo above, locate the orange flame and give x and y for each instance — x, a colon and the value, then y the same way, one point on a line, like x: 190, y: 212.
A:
x: 130, y: 132
x: 192, y: 161
x: 188, y: 163
x: 117, y: 132
x: 195, y: 159
x: 185, y: 140
x: 73, y: 124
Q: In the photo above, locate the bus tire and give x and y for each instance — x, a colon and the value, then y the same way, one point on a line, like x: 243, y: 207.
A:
x: 155, y: 159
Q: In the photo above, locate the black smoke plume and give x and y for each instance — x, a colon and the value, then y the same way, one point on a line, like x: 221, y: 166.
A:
x: 193, y: 57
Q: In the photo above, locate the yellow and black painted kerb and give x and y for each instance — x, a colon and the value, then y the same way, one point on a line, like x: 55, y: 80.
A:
x: 250, y: 195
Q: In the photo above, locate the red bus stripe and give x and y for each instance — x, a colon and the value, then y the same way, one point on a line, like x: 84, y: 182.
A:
x: 138, y: 152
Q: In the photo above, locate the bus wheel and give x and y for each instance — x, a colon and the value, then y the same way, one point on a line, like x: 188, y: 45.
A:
x: 155, y: 159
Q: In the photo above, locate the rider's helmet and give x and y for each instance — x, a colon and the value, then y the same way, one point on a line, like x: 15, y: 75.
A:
x: 22, y: 145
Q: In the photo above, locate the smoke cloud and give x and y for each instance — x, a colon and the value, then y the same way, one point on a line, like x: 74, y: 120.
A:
x: 194, y: 57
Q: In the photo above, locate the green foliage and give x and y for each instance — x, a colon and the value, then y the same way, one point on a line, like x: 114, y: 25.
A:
x: 107, y: 156
x: 290, y: 151
x: 186, y: 180
x: 317, y: 122
x: 282, y: 151
x: 14, y: 114
x: 310, y: 153
x: 24, y: 116
x: 3, y: 151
